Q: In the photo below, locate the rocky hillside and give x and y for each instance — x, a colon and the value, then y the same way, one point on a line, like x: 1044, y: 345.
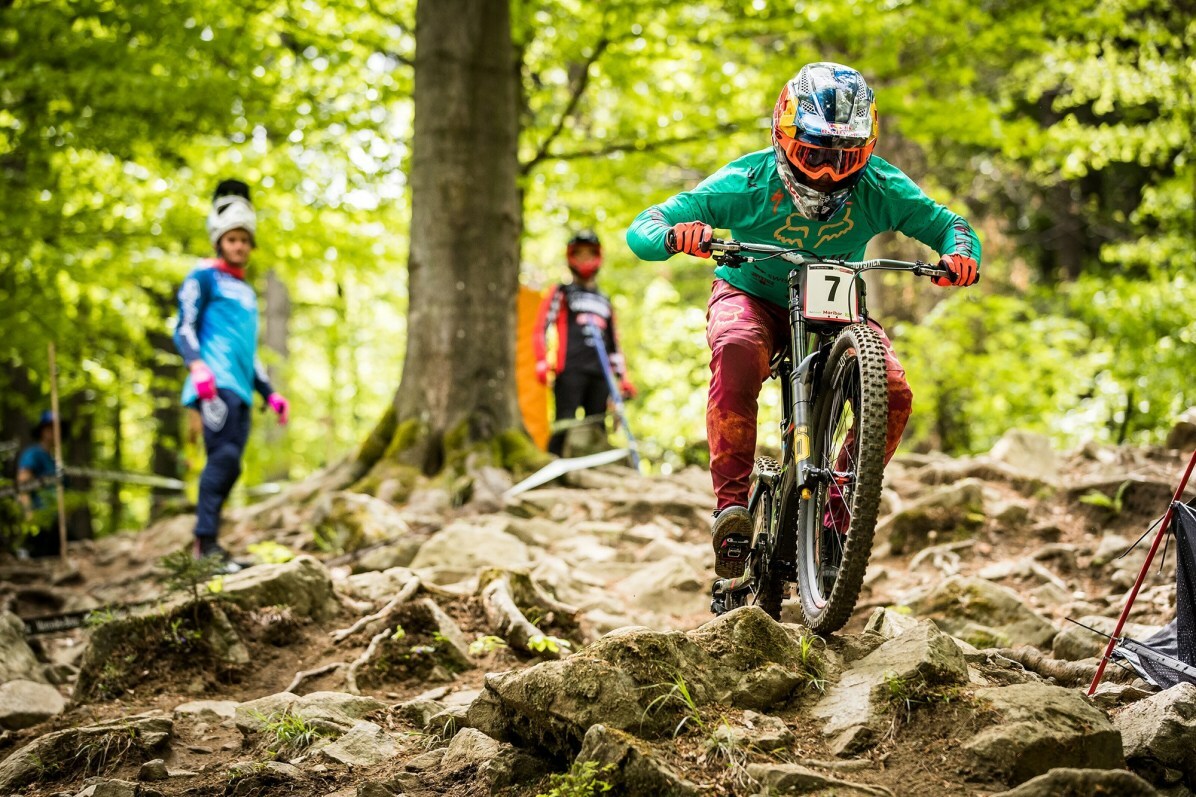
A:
x: 560, y: 643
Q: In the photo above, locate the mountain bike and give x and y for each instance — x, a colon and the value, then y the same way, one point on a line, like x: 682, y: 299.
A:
x: 814, y: 511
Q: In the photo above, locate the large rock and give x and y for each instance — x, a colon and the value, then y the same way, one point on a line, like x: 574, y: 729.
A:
x: 672, y: 501
x: 17, y: 661
x: 111, y: 788
x: 84, y: 750
x: 1183, y: 434
x: 462, y: 548
x: 627, y: 764
x: 26, y: 703
x: 302, y: 584
x: 758, y: 732
x: 1038, y: 727
x: 779, y: 779
x: 984, y: 614
x: 364, y: 745
x: 378, y: 586
x: 209, y: 710
x: 669, y: 586
x: 469, y: 748
x: 1075, y: 642
x: 632, y: 680
x: 1159, y: 734
x: 951, y: 512
x: 920, y: 665
x: 1030, y: 453
x: 343, y: 522
x: 1064, y: 782
x: 333, y: 712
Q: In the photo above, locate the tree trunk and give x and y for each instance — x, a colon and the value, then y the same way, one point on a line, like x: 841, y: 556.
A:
x: 458, y: 387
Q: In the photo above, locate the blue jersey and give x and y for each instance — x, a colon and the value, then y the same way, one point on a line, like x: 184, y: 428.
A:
x: 218, y: 324
x: 38, y: 462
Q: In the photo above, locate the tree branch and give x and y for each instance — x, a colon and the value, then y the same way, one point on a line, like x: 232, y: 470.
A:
x: 579, y: 88
x: 636, y: 146
x: 403, y: 27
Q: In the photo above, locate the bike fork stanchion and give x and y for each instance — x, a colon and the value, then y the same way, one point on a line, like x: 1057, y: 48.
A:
x: 615, y: 395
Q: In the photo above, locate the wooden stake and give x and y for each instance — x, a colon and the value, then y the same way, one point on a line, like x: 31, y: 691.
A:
x: 58, y: 453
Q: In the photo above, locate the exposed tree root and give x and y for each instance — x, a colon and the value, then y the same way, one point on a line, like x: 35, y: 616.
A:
x: 303, y: 675
x: 943, y: 556
x: 501, y: 592
x: 404, y: 594
x: 351, y: 673
x: 1065, y: 673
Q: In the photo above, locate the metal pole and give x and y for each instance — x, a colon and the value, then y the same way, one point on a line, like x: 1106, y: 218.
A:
x: 58, y: 452
x: 616, y: 395
x: 1154, y: 547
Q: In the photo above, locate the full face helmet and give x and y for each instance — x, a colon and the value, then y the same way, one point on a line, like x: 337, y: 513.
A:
x: 230, y: 212
x: 584, y: 254
x: 232, y: 209
x: 823, y: 133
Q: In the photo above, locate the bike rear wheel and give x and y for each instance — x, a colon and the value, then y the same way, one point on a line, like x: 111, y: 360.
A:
x: 769, y: 587
x: 836, y: 524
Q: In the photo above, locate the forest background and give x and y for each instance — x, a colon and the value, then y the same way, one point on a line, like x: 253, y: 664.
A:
x: 1064, y: 132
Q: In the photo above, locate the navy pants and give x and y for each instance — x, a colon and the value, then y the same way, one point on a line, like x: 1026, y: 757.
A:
x: 225, y: 432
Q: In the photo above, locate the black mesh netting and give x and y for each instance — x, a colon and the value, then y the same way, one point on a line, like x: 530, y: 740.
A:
x: 1178, y: 639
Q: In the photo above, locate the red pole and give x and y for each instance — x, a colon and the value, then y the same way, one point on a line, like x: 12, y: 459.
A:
x: 1154, y: 546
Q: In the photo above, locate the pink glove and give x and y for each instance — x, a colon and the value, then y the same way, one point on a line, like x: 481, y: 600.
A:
x: 281, y: 406
x: 204, y: 380
x: 542, y: 372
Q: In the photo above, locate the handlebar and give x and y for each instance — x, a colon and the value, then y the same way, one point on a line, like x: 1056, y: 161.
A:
x: 733, y: 253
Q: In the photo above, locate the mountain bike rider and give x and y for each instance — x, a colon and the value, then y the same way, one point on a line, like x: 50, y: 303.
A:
x: 569, y: 307
x: 217, y: 336
x: 818, y: 188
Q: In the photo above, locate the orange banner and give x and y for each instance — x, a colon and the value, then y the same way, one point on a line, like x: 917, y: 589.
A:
x: 533, y: 397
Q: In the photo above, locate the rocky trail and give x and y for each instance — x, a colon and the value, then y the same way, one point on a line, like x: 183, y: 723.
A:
x: 560, y: 643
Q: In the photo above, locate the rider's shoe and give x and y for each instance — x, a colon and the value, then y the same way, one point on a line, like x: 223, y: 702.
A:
x: 732, y: 535
x: 208, y: 548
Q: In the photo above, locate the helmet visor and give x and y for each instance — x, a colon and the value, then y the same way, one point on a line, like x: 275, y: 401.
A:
x: 826, y: 162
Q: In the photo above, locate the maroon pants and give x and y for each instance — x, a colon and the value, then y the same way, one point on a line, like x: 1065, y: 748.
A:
x: 744, y: 332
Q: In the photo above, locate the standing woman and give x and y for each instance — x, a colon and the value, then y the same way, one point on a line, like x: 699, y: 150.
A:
x: 217, y: 336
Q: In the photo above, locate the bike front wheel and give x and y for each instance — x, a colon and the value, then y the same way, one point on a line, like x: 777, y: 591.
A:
x: 847, y: 447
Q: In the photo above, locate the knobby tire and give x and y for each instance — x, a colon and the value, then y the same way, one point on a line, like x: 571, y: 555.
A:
x: 770, y: 589
x: 857, y: 350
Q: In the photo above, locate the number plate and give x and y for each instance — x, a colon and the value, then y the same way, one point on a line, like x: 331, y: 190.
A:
x: 830, y: 293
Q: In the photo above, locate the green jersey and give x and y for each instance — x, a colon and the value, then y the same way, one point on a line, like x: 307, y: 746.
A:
x: 747, y: 198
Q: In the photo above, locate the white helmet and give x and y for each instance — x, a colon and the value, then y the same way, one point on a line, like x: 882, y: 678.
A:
x: 231, y: 212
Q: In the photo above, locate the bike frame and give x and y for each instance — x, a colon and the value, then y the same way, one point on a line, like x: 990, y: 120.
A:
x: 798, y: 380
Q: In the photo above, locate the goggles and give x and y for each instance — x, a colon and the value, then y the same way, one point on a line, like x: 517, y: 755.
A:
x: 818, y: 162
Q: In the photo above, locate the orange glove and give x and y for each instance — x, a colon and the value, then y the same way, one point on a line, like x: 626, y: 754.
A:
x: 690, y: 237
x: 627, y: 389
x: 964, y: 271
x: 542, y: 372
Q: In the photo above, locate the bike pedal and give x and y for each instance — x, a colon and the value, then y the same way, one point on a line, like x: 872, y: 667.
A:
x: 736, y: 548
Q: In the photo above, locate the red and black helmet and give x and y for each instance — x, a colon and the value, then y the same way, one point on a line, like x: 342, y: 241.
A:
x: 584, y: 264
x: 823, y: 133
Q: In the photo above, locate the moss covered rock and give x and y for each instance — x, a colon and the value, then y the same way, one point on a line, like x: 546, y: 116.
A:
x: 644, y: 681
x: 984, y: 614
